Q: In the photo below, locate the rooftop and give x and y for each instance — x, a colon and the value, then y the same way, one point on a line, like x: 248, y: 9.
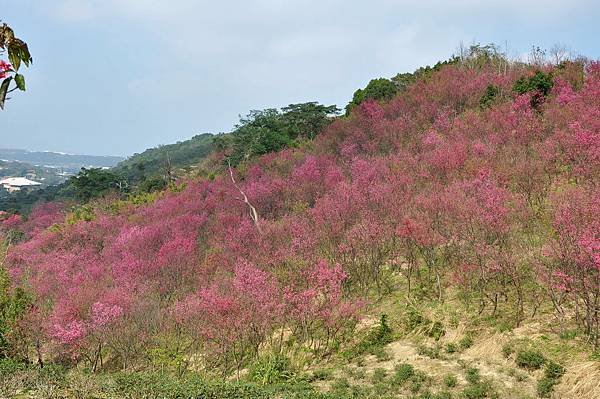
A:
x: 18, y: 182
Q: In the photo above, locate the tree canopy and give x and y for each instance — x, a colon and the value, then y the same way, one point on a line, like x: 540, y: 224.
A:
x: 270, y: 130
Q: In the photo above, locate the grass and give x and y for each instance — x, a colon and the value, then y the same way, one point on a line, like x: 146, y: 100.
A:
x: 374, y: 342
x: 402, y: 373
x: 472, y: 375
x: 379, y: 375
x: 450, y: 380
x: 322, y: 375
x: 432, y: 352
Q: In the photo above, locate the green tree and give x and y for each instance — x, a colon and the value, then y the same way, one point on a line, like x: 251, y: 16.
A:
x: 307, y: 120
x: 540, y: 82
x: 539, y: 85
x: 380, y: 89
x: 270, y: 130
x: 94, y: 182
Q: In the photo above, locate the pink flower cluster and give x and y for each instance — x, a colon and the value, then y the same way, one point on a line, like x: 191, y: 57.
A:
x: 4, y: 68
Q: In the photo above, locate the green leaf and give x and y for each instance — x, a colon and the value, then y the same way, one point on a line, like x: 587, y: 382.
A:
x: 4, y: 91
x: 20, y: 81
x: 24, y: 54
x: 13, y: 57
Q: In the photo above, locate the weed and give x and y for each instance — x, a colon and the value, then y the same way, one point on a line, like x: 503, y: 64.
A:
x: 431, y: 352
x: 341, y: 384
x: 451, y: 347
x: 553, y: 370
x: 373, y: 342
x: 270, y: 370
x: 381, y: 354
x: 473, y: 376
x: 568, y: 334
x: 322, y: 375
x: 545, y: 387
x: 507, y: 350
x: 476, y: 391
x: 402, y: 373
x: 530, y: 359
x: 436, y: 331
x: 450, y: 380
x: 466, y: 342
x: 379, y: 375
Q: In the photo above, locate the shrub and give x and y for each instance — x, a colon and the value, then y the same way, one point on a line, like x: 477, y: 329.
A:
x: 553, y: 370
x: 530, y: 359
x: 545, y: 387
x: 431, y: 352
x: 490, y: 95
x: 414, y: 319
x: 379, y: 375
x: 539, y: 82
x: 450, y: 380
x: 436, y: 331
x: 402, y: 373
x: 473, y: 375
x: 374, y: 341
x: 451, y: 347
x: 466, y: 342
x: 478, y: 391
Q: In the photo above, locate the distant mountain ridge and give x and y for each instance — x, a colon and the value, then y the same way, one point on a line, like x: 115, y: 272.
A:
x: 68, y: 162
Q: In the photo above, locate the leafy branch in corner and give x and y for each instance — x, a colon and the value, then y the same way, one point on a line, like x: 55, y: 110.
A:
x: 18, y: 53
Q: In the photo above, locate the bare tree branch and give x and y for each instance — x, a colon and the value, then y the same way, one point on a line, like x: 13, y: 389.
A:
x: 253, y: 212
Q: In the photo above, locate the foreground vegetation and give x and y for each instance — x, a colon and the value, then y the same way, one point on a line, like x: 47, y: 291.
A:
x: 440, y: 356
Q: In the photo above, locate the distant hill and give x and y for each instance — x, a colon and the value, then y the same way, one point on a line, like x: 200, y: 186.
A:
x: 68, y: 162
x: 145, y: 171
x: 153, y: 162
x: 46, y: 175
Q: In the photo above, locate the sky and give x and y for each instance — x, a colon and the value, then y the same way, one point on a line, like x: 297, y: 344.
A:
x: 114, y: 77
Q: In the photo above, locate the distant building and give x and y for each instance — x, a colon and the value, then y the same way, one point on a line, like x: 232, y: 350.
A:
x: 13, y: 184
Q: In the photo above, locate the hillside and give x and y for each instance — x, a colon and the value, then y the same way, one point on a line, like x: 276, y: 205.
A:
x: 442, y: 242
x: 175, y: 158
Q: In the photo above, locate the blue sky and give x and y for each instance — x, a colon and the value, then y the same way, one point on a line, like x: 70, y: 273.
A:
x: 118, y: 76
